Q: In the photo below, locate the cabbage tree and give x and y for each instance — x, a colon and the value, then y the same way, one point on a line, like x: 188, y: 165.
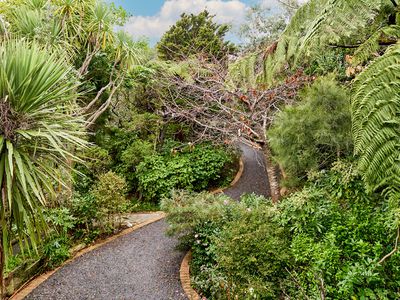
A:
x: 38, y: 129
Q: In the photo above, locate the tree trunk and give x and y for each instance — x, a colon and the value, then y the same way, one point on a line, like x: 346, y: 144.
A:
x: 273, y: 177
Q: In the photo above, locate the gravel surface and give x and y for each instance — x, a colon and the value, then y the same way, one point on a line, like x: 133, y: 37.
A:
x: 254, y: 178
x: 142, y: 265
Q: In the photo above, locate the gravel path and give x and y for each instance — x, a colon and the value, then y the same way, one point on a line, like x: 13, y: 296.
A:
x: 254, y: 178
x: 142, y: 265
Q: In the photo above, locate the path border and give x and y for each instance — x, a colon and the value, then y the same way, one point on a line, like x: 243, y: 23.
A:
x: 32, y: 284
x: 184, y: 272
x: 234, y: 181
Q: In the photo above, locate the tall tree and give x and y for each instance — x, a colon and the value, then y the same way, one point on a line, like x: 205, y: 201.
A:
x: 193, y: 35
x: 264, y: 26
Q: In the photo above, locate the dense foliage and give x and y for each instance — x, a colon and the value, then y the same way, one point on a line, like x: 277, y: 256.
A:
x: 325, y: 241
x: 313, y: 133
x: 192, y: 169
x: 195, y: 35
x: 95, y: 124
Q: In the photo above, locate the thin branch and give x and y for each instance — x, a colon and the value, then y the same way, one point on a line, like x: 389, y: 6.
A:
x: 394, y: 249
x: 93, y: 102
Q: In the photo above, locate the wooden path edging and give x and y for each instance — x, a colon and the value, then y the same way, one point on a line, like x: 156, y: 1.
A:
x: 184, y: 271
x: 235, y: 180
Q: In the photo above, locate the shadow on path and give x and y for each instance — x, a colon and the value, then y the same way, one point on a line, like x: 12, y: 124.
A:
x: 254, y: 178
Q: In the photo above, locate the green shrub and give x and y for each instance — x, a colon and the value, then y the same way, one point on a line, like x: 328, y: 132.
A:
x: 339, y: 232
x: 234, y: 244
x: 97, y: 162
x: 56, y: 251
x: 192, y: 169
x: 314, y: 133
x: 110, y: 193
x: 130, y: 158
x: 87, y: 213
x: 61, y: 220
x: 327, y: 239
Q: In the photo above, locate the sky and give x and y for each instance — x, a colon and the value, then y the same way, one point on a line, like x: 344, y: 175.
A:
x: 152, y: 18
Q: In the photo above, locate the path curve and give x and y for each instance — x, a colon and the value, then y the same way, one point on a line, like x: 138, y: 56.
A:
x: 142, y: 265
x: 254, y: 178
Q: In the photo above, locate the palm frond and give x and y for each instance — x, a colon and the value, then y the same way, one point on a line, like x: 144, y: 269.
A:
x: 37, y: 133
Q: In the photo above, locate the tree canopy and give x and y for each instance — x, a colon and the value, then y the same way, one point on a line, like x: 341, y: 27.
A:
x: 195, y: 35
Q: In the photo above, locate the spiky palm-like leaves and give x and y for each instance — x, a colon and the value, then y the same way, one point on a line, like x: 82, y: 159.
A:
x: 37, y: 130
x: 376, y: 120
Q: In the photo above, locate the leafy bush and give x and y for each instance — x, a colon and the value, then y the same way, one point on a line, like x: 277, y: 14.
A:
x: 339, y: 233
x: 234, y: 244
x: 61, y: 220
x: 87, y: 213
x: 325, y: 241
x: 110, y: 193
x: 192, y: 169
x: 56, y: 251
x: 314, y: 133
x: 98, y: 162
x: 93, y: 211
x: 131, y: 157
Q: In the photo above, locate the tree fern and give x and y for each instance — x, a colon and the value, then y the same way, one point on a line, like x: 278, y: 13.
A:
x: 243, y: 72
x: 376, y: 120
x: 372, y: 44
x: 323, y: 23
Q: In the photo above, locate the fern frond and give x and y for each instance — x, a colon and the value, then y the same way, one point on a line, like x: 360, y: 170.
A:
x: 243, y: 72
x: 321, y: 23
x: 376, y: 120
x: 372, y: 44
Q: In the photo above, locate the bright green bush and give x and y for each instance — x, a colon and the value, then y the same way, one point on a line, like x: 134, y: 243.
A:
x: 251, y: 253
x: 131, y: 157
x: 110, y: 192
x: 191, y: 169
x: 314, y: 133
x: 234, y: 244
x: 327, y: 239
x: 87, y: 213
x: 56, y: 251
x: 339, y: 232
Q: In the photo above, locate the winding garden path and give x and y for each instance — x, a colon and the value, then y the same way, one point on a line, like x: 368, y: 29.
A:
x: 254, y: 178
x: 142, y: 265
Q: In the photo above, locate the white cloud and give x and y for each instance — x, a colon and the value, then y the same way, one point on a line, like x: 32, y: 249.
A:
x: 275, y: 3
x: 155, y: 26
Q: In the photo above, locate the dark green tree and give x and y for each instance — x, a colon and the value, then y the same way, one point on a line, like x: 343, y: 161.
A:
x: 195, y: 34
x: 314, y: 133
